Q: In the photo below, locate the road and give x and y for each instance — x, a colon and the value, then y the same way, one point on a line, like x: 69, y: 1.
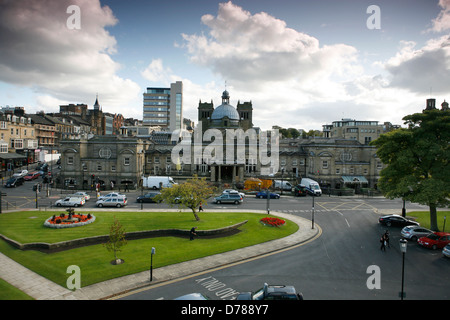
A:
x: 339, y: 264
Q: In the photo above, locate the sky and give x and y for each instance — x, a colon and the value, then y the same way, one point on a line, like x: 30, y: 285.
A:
x: 301, y: 63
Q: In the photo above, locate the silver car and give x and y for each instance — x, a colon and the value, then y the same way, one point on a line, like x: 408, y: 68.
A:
x: 112, y: 202
x: 446, y: 251
x: 414, y: 232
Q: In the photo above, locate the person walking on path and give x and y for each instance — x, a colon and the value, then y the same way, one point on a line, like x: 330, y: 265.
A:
x: 200, y: 207
x: 383, y: 243
x: 192, y: 233
x: 386, y: 239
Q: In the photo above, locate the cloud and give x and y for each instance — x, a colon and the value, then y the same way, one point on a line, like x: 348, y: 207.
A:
x: 442, y: 22
x: 418, y: 70
x: 39, y: 51
x: 255, y: 49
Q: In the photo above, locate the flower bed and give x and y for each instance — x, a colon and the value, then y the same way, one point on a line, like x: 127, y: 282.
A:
x: 66, y: 221
x: 272, y: 222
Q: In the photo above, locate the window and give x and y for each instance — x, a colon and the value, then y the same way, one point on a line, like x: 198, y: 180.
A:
x: 126, y: 161
x: 324, y: 164
x: 69, y: 160
x: 113, y: 167
x: 99, y: 167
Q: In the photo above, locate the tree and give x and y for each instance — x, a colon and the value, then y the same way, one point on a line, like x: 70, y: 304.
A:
x: 189, y: 194
x: 116, y: 239
x: 417, y: 159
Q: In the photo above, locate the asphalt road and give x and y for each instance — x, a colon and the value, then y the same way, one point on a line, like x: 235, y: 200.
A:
x: 345, y: 262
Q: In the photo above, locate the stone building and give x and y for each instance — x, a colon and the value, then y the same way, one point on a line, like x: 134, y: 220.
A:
x: 106, y: 160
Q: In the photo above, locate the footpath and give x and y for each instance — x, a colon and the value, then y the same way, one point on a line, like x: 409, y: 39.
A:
x: 41, y: 288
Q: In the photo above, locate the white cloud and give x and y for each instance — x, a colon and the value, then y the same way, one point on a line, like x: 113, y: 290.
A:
x: 442, y: 22
x: 39, y: 51
x: 255, y: 49
x: 418, y: 70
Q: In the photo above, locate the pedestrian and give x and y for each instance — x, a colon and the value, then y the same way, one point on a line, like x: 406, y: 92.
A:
x: 200, y: 207
x: 192, y: 233
x: 383, y: 243
x: 386, y: 239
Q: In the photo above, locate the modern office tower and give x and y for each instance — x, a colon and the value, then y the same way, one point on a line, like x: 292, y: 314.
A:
x: 163, y: 107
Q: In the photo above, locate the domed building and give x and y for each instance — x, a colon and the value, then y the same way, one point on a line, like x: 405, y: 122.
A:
x: 225, y: 116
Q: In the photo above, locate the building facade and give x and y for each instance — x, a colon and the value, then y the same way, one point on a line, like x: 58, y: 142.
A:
x: 164, y: 107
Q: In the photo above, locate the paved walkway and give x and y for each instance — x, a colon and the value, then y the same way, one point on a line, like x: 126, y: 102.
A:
x: 43, y: 289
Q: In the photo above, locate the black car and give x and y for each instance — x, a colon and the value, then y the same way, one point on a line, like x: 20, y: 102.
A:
x: 149, y: 197
x: 396, y: 221
x: 14, y: 182
x: 300, y: 191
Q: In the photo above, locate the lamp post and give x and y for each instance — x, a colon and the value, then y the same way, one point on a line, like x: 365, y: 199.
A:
x: 312, y: 212
x: 403, y: 247
x: 151, y: 263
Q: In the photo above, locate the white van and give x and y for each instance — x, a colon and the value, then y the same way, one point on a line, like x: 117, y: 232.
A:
x: 312, y: 187
x: 156, y: 182
x: 70, y: 202
x: 285, y: 185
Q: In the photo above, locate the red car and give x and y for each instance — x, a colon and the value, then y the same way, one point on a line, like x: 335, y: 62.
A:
x: 32, y: 176
x: 435, y: 240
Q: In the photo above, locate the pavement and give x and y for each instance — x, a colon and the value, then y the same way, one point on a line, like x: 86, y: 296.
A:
x: 41, y: 288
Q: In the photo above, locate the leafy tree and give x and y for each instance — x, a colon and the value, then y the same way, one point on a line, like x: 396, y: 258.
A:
x: 116, y: 238
x: 417, y: 159
x: 189, y: 194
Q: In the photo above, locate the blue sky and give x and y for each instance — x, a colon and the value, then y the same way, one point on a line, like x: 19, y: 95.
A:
x: 301, y: 63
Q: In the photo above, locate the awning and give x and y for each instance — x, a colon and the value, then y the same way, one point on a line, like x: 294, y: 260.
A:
x: 354, y: 179
x: 11, y: 156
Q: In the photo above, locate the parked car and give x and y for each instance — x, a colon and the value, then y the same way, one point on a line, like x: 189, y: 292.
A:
x: 300, y: 191
x: 435, y: 240
x: 20, y: 174
x: 414, y: 232
x: 111, y: 195
x: 14, y: 182
x: 446, y: 251
x: 234, y: 191
x: 31, y: 176
x: 396, y: 221
x: 148, y: 197
x: 112, y: 202
x: 193, y: 296
x: 272, y: 292
x: 228, y: 198
x: 263, y: 194
x: 82, y: 194
x: 70, y: 202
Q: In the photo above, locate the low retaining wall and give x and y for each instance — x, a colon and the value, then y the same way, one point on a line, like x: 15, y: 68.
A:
x: 65, y: 245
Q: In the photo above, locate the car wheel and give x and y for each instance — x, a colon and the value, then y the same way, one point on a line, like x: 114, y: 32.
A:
x: 100, y: 205
x: 278, y: 197
x: 76, y: 205
x: 236, y: 202
x: 414, y: 238
x: 118, y: 205
x: 260, y: 197
x: 58, y: 204
x: 434, y: 247
x: 218, y: 202
x: 388, y: 223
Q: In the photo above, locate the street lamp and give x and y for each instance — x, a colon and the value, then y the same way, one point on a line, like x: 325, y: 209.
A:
x: 151, y: 263
x: 312, y: 212
x: 403, y: 247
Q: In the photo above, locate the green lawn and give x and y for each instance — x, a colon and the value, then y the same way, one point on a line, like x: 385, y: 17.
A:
x: 94, y: 261
x: 423, y: 217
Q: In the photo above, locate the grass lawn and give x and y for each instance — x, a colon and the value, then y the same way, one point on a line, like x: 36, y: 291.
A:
x: 423, y: 217
x: 94, y: 261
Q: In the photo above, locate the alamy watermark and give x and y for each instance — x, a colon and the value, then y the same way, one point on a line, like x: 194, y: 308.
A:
x: 214, y: 147
x: 74, y: 20
x: 374, y: 21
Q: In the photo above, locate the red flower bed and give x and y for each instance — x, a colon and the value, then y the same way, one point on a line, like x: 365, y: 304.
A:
x: 273, y: 222
x: 62, y: 219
